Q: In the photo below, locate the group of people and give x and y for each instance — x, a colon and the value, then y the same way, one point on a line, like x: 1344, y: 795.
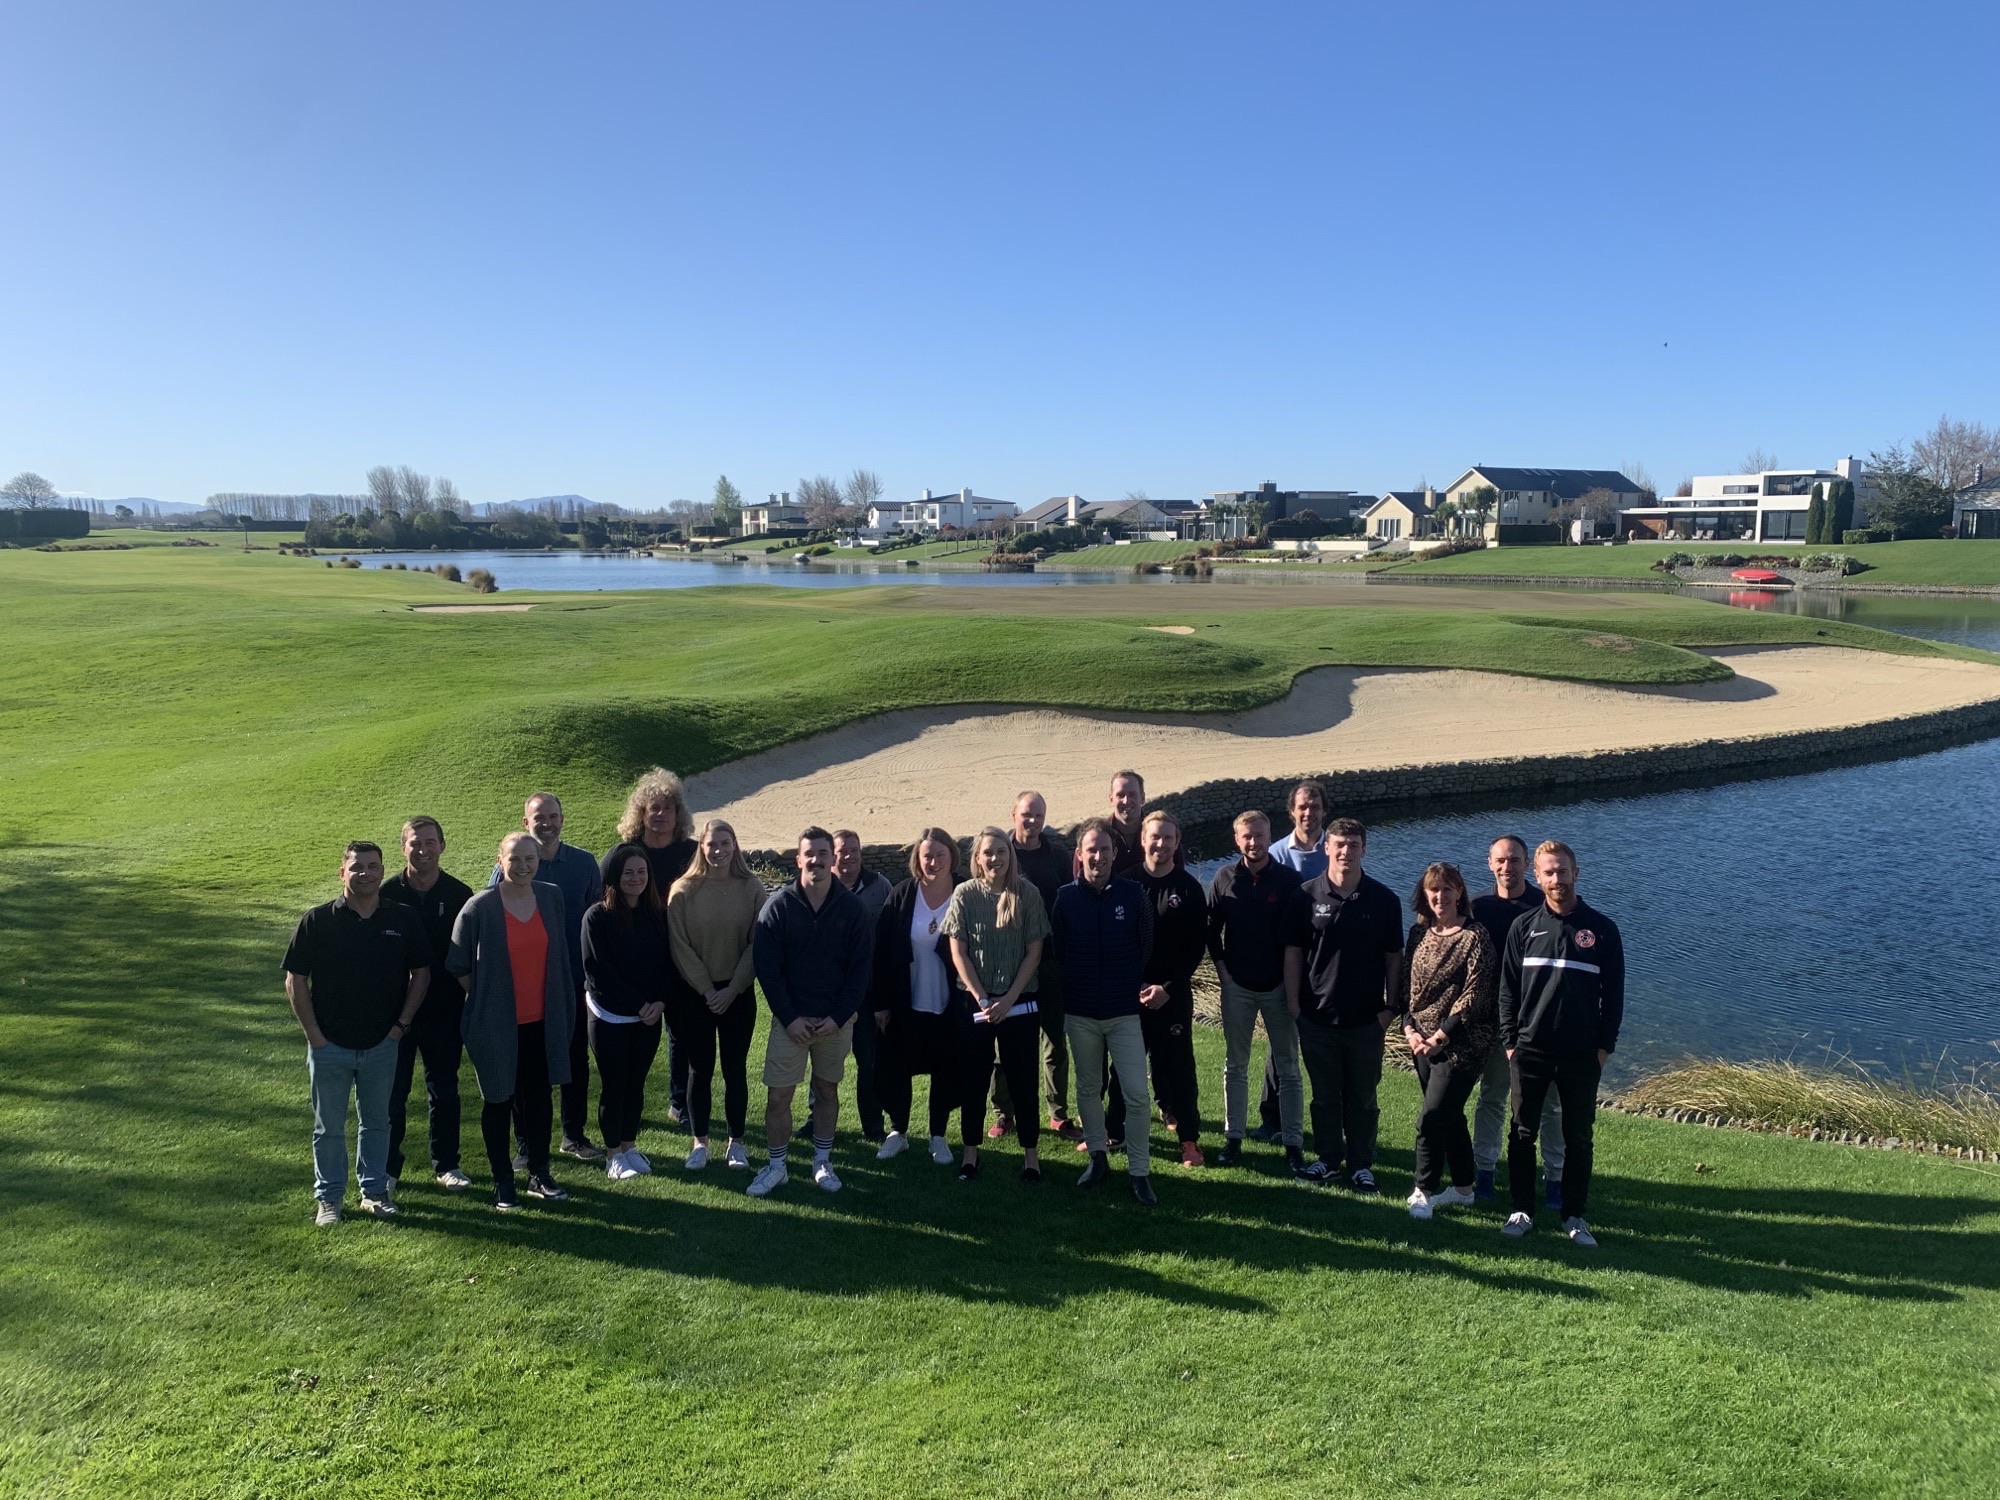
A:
x: 995, y: 982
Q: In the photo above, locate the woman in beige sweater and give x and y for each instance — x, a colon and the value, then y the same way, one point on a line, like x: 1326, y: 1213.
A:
x: 711, y: 914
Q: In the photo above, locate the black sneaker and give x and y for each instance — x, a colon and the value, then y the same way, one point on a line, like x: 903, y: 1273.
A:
x: 506, y: 1200
x: 1096, y: 1172
x: 1031, y: 1174
x: 1142, y: 1189
x: 1363, y: 1182
x: 1315, y: 1174
x: 1295, y: 1159
x: 545, y: 1189
x: 583, y: 1149
x: 968, y: 1171
x: 1231, y: 1154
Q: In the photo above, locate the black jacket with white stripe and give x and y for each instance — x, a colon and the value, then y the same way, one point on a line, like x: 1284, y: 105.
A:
x: 1562, y: 983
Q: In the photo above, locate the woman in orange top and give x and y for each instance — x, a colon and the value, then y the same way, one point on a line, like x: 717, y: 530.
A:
x: 519, y: 1012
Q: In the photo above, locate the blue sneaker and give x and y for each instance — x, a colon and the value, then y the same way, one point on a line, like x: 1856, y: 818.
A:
x: 1552, y: 1191
x: 1483, y: 1189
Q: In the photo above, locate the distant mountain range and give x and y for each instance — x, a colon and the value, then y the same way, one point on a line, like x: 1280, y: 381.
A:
x: 494, y: 507
x: 106, y: 507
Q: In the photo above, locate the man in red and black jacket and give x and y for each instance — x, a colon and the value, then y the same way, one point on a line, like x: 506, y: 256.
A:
x: 1562, y: 998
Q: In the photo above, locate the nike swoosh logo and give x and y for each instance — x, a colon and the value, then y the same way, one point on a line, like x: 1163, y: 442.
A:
x: 1532, y: 932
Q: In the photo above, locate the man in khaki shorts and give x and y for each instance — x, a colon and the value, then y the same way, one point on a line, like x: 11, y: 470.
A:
x: 815, y: 954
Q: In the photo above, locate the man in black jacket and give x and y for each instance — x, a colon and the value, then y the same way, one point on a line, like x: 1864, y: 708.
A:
x: 1562, y: 998
x: 1247, y: 901
x: 436, y: 897
x: 1513, y: 895
x: 815, y: 952
x: 1180, y: 937
x: 1047, y: 864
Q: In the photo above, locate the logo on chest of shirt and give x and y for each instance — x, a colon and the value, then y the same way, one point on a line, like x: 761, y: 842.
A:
x: 1117, y: 913
x: 1585, y: 938
x: 1173, y: 900
x: 1323, y: 909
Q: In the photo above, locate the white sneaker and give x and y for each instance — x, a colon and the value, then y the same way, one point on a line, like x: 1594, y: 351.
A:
x: 737, y: 1157
x: 636, y: 1160
x: 385, y: 1208
x: 1517, y: 1225
x: 941, y: 1151
x: 618, y: 1167
x: 1452, y: 1197
x: 1420, y: 1205
x: 325, y: 1214
x: 896, y: 1144
x: 1579, y: 1233
x: 824, y: 1177
x: 697, y: 1158
x: 454, y: 1181
x: 774, y: 1175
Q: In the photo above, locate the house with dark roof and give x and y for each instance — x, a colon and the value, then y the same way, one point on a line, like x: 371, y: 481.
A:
x: 1074, y: 510
x: 1975, y: 510
x: 1529, y: 497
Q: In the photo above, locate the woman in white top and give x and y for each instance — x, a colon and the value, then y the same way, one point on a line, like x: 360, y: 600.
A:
x: 926, y: 1016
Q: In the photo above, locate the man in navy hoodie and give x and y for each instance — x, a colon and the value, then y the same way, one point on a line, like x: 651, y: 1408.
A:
x: 815, y: 953
x: 1102, y: 933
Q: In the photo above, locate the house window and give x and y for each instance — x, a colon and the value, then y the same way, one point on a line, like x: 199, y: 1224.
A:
x: 1739, y: 489
x: 1784, y: 525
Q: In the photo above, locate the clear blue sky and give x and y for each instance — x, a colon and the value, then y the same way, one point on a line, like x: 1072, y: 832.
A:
x: 1036, y: 249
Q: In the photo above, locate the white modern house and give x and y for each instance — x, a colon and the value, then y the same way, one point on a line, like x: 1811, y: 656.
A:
x: 960, y: 512
x: 1769, y: 506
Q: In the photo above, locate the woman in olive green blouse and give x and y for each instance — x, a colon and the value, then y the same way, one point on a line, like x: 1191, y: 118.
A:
x: 997, y: 926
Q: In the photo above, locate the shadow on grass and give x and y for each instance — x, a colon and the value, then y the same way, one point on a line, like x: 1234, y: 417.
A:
x: 148, y: 1042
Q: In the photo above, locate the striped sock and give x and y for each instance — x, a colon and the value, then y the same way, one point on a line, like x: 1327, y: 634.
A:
x: 822, y: 1149
x: 778, y: 1156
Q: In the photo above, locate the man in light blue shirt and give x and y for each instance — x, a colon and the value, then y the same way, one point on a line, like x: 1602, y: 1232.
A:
x: 1301, y: 847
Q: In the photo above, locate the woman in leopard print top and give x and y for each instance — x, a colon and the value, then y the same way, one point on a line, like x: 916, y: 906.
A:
x: 1450, y: 1021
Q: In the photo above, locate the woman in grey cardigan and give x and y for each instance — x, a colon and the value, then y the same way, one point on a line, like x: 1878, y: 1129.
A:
x: 519, y: 1010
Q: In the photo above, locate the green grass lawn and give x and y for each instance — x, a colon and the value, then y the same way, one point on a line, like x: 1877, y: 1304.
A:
x: 1116, y: 556
x: 1964, y: 564
x: 189, y: 735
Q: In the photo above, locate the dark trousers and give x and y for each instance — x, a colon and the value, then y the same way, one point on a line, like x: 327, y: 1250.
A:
x: 1018, y: 1041
x: 1344, y: 1065
x: 1268, y: 1113
x: 678, y: 1073
x: 957, y: 1060
x: 1169, y: 1033
x: 1443, y: 1137
x: 528, y: 1111
x: 624, y: 1054
x: 435, y: 1038
x: 1575, y: 1081
x: 1055, y: 1050
x: 867, y: 1046
x: 701, y: 1034
x: 576, y: 1093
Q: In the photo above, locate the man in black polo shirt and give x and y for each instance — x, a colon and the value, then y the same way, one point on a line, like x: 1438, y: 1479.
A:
x: 1247, y: 901
x: 355, y: 975
x: 1562, y: 1000
x: 1343, y: 968
x: 1047, y: 864
x: 1513, y: 896
x: 436, y: 898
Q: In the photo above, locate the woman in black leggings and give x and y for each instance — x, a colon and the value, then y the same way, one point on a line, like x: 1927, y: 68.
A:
x: 711, y: 915
x: 626, y: 965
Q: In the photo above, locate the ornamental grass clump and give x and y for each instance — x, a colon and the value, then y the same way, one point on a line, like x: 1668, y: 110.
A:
x: 1785, y: 1096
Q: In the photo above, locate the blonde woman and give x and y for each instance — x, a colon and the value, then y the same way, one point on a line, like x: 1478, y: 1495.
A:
x: 519, y: 1012
x: 998, y: 927
x: 656, y: 819
x: 711, y: 918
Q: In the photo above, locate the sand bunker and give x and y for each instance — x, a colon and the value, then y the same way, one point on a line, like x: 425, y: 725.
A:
x: 1172, y: 629
x: 469, y: 609
x: 961, y: 767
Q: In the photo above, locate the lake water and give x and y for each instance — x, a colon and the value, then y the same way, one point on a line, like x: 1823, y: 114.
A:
x: 1837, y: 914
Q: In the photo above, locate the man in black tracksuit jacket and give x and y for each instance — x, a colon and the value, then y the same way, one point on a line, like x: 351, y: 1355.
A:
x: 1180, y: 942
x: 1562, y: 997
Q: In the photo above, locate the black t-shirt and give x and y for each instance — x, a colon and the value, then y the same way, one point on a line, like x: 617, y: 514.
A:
x: 667, y: 864
x: 1497, y: 914
x: 438, y: 909
x: 1347, y: 943
x: 1047, y: 869
x: 359, y: 968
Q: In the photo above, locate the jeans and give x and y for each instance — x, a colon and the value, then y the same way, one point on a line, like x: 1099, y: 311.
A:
x: 368, y: 1073
x: 1345, y: 1065
x: 624, y: 1054
x: 1535, y: 1078
x: 1169, y: 1033
x: 1120, y: 1041
x: 435, y: 1038
x: 699, y: 1032
x: 1489, y: 1120
x: 1240, y: 1009
x: 1442, y: 1137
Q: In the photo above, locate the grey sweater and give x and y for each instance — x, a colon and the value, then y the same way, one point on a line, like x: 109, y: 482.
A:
x: 479, y: 950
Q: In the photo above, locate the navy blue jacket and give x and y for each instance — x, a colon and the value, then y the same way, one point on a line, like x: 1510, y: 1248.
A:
x: 814, y: 963
x: 1103, y: 939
